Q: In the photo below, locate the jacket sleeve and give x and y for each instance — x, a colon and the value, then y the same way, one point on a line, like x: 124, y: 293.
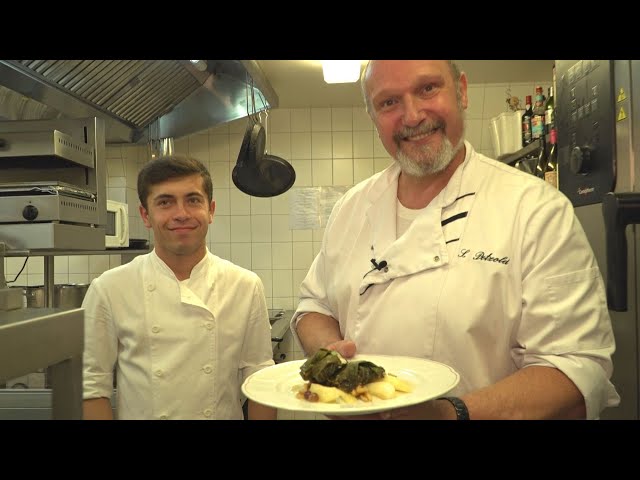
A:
x: 565, y: 321
x: 100, y: 344
x: 256, y: 347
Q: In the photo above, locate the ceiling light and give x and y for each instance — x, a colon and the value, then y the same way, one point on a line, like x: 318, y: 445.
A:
x: 341, y: 71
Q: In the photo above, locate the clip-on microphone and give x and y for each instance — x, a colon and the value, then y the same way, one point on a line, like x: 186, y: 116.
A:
x: 379, y: 266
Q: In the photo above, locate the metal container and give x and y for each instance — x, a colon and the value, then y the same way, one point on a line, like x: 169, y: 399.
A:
x: 67, y: 295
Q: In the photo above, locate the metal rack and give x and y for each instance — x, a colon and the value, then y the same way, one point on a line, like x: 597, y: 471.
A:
x: 126, y: 253
x: 532, y: 149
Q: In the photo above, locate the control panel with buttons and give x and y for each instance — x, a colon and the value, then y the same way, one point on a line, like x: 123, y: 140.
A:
x: 585, y: 112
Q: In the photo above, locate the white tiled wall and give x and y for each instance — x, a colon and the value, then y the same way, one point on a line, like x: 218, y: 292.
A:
x: 326, y: 146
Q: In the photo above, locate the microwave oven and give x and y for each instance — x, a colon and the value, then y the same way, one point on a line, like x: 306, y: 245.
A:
x: 117, y: 229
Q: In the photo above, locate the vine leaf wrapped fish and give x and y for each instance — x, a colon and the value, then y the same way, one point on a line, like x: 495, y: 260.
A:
x: 322, y: 367
x: 329, y: 368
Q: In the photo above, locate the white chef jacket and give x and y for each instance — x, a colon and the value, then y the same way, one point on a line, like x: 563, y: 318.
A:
x: 496, y: 274
x: 181, y: 348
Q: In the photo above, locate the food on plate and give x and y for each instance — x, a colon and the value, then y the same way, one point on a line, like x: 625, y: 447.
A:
x: 382, y: 390
x: 328, y: 394
x: 332, y: 379
x: 329, y: 368
x: 398, y: 383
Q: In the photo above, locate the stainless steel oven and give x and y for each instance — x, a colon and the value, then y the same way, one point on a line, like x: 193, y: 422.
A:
x: 53, y: 184
x: 597, y: 105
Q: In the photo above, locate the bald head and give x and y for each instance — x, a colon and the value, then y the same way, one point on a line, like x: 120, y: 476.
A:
x: 453, y: 68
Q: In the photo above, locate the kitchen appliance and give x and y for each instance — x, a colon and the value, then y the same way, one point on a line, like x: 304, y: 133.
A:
x: 597, y: 105
x: 117, y: 228
x: 179, y: 97
x: 52, y: 192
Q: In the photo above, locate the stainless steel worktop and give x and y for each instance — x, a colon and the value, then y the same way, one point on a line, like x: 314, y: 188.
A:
x: 279, y: 333
x: 32, y: 338
x: 279, y: 325
x: 37, y: 403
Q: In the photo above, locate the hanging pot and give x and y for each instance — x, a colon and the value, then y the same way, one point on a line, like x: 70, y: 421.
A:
x: 259, y: 174
x: 253, y: 143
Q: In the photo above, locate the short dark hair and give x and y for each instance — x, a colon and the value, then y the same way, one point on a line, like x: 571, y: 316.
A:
x: 171, y: 166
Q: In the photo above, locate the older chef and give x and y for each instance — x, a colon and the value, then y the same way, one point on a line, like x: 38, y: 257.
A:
x: 451, y: 256
x: 182, y: 327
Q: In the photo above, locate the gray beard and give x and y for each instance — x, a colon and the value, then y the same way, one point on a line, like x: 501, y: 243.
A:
x: 428, y: 161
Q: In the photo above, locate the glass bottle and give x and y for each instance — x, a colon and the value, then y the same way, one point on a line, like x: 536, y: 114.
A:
x: 549, y: 112
x: 537, y: 120
x: 526, y: 123
x: 551, y: 169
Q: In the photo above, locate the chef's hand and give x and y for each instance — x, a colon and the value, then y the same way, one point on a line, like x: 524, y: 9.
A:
x: 346, y: 348
x: 432, y: 410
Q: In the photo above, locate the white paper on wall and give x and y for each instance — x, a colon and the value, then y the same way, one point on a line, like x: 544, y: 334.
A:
x: 309, y: 208
x: 328, y: 198
x: 303, y: 208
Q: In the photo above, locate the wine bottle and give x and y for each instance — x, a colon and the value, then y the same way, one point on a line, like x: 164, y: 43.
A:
x: 526, y: 123
x: 549, y: 111
x: 537, y: 120
x: 551, y: 169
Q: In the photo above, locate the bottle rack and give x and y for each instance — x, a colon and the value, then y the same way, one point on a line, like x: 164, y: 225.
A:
x: 532, y: 149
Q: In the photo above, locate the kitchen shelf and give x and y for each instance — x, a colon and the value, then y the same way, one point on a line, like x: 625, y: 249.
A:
x: 127, y: 255
x: 45, y: 252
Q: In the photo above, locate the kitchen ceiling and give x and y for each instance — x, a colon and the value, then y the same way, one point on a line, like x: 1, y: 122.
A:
x: 140, y: 100
x: 144, y: 99
x: 299, y: 83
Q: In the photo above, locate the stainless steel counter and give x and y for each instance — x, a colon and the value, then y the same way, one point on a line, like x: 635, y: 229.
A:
x: 33, y: 338
x: 279, y: 325
x: 279, y: 333
x: 16, y: 361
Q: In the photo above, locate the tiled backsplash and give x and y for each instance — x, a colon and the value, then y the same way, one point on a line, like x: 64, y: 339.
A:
x: 326, y: 146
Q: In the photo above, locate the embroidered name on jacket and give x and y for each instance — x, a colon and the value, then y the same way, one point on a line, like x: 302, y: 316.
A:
x: 488, y: 257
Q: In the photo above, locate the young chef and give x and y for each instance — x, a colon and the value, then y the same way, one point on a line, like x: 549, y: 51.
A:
x: 182, y: 327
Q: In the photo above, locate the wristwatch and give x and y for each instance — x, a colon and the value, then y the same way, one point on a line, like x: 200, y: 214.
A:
x: 461, y: 409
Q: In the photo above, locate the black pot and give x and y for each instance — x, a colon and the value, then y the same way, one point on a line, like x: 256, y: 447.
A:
x: 259, y: 174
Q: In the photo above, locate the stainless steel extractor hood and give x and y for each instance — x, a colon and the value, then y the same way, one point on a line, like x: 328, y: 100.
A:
x: 139, y: 100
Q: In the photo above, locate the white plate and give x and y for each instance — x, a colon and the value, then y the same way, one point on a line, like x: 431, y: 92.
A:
x: 276, y: 386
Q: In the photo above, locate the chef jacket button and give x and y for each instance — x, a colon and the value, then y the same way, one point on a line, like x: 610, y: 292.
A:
x: 151, y: 287
x: 208, y: 412
x: 436, y: 258
x: 386, y: 269
x: 155, y: 329
x: 207, y: 369
x: 159, y: 373
x: 209, y: 325
x: 163, y: 417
